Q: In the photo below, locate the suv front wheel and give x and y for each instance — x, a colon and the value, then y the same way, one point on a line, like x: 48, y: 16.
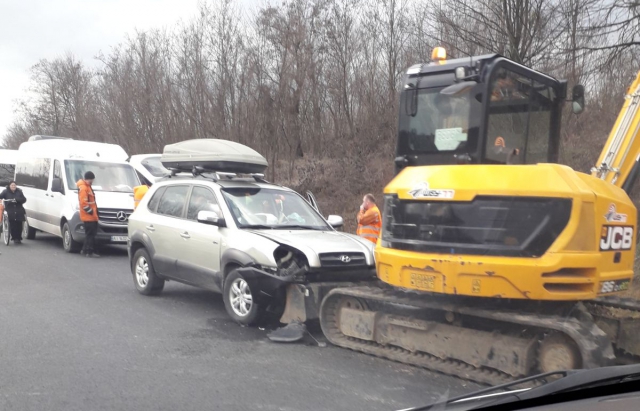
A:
x: 239, y: 300
x: 144, y: 276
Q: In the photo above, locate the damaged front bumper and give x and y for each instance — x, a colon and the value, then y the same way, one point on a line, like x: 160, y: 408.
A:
x: 303, y: 300
x: 301, y: 297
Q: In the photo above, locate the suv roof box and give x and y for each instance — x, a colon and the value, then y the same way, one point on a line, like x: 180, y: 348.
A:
x: 39, y: 137
x: 213, y: 155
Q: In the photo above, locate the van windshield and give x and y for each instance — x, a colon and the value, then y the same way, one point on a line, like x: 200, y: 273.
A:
x: 109, y: 176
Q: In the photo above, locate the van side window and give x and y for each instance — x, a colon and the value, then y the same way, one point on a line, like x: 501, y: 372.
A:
x: 33, y: 172
x: 153, y: 203
x: 57, y: 172
x: 56, y: 169
x: 173, y: 201
x: 143, y: 179
x: 7, y: 172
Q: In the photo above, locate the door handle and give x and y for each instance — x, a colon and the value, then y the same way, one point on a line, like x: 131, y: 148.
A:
x: 185, y: 235
x: 150, y: 228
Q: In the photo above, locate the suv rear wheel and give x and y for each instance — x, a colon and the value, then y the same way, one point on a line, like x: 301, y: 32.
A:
x: 239, y: 300
x: 145, y: 278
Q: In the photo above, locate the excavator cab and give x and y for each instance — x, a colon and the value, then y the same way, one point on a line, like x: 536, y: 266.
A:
x: 479, y: 110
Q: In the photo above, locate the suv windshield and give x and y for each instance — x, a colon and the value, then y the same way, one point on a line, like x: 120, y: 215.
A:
x: 254, y: 206
x: 109, y: 176
x: 155, y: 167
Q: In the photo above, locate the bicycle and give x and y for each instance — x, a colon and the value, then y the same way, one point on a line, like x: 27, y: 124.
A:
x: 6, y: 225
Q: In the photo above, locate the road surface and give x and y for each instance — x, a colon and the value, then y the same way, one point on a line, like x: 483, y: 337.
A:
x: 77, y: 336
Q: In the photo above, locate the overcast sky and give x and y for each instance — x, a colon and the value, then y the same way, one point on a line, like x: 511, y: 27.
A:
x: 34, y: 29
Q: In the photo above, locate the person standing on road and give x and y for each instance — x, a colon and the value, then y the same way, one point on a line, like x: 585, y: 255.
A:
x: 88, y: 213
x: 369, y: 219
x: 138, y: 193
x: 14, y: 199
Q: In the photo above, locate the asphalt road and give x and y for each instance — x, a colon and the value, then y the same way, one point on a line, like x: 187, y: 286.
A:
x: 75, y: 335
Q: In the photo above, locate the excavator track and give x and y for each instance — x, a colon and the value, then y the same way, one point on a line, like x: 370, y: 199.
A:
x: 620, y: 319
x: 368, y: 314
x: 629, y: 304
x: 455, y: 368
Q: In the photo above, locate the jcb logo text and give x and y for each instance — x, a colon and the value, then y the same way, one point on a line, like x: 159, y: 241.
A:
x: 614, y: 238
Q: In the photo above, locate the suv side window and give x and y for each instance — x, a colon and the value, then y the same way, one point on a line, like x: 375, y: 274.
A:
x: 173, y: 201
x: 202, y: 199
x: 153, y: 203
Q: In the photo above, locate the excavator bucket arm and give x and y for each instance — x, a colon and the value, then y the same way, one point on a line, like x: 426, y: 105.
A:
x: 619, y: 162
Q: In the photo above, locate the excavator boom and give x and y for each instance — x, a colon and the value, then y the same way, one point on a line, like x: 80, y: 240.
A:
x: 619, y: 163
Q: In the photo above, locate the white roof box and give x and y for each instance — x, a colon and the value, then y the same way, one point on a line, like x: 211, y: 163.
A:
x: 39, y: 138
x: 214, y: 155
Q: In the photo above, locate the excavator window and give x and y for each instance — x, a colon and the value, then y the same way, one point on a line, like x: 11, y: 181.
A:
x: 519, y: 120
x: 440, y: 124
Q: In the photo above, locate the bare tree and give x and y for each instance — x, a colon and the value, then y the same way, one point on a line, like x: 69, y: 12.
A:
x: 313, y: 84
x: 522, y: 30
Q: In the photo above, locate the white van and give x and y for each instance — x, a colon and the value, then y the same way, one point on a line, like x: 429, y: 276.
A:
x: 47, y: 171
x: 149, y: 168
x: 7, y: 166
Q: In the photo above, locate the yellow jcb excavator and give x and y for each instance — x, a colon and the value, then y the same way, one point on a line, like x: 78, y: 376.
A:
x: 497, y: 262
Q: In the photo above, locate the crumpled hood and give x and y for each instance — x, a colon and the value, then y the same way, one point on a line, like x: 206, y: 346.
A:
x: 312, y: 243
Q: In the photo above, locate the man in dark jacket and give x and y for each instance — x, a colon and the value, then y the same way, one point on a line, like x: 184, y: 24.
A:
x: 14, y: 199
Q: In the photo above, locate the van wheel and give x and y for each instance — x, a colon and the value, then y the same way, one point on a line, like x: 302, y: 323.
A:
x: 70, y: 245
x: 239, y: 300
x: 28, y: 232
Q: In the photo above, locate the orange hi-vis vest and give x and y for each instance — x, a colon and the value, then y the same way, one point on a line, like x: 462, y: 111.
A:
x: 370, y: 224
x: 138, y: 193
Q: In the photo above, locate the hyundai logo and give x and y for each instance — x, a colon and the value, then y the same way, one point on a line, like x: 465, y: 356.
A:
x: 345, y: 258
x: 121, y: 216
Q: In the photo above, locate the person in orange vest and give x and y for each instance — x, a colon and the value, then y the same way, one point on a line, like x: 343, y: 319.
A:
x: 138, y: 193
x: 369, y: 219
x: 88, y: 213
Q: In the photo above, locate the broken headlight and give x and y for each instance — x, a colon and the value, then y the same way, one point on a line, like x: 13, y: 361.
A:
x: 290, y: 262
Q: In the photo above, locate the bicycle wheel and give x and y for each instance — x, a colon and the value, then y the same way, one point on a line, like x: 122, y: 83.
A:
x: 6, y: 230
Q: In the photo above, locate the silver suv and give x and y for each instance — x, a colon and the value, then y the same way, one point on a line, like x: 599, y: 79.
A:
x: 258, y: 243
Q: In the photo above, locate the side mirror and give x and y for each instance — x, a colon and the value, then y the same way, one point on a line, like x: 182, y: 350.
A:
x: 335, y: 221
x: 211, y: 218
x: 56, y: 185
x: 577, y: 99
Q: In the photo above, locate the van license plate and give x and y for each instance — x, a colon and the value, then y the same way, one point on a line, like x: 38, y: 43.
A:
x: 119, y: 238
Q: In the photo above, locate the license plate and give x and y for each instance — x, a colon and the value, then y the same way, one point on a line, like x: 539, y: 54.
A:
x: 614, y: 286
x: 119, y: 238
x: 423, y: 281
